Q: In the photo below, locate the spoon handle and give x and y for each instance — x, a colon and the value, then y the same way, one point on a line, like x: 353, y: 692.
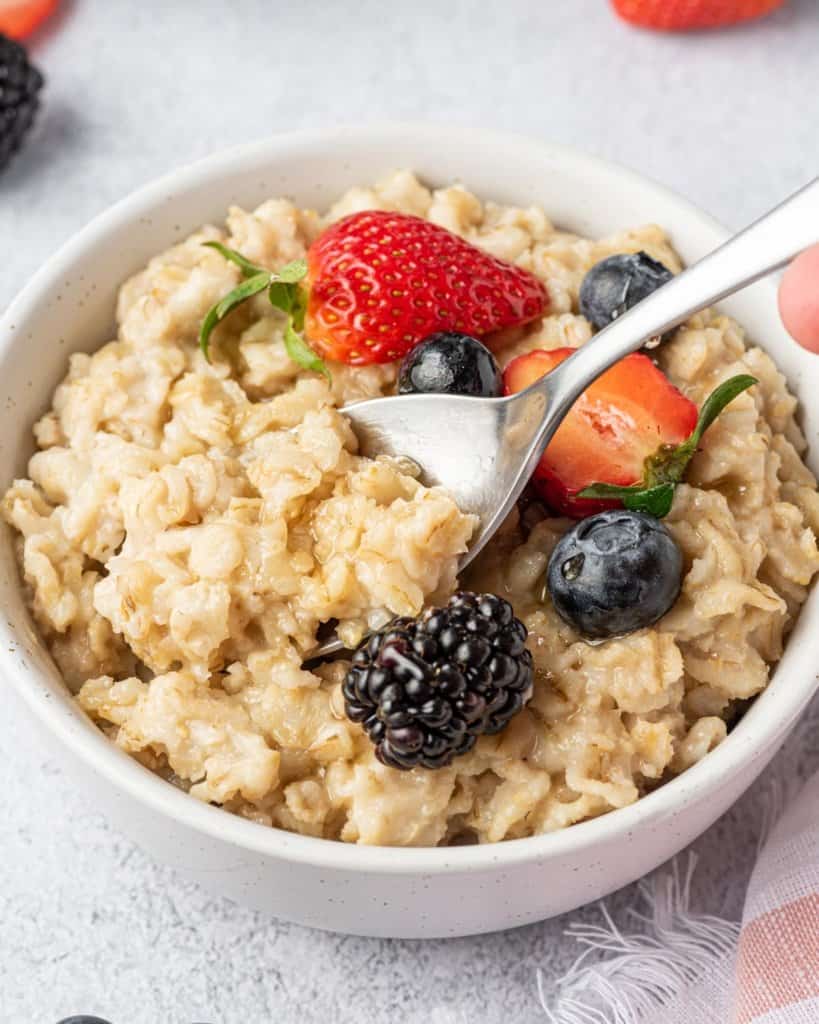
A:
x: 764, y: 246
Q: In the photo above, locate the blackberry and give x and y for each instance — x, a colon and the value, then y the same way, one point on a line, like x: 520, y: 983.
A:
x: 20, y: 84
x: 424, y: 689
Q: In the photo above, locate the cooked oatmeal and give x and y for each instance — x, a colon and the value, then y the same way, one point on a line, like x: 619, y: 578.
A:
x: 186, y: 529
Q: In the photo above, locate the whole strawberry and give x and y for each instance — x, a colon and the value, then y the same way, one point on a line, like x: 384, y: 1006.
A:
x: 381, y: 282
x: 679, y: 15
x: 376, y: 284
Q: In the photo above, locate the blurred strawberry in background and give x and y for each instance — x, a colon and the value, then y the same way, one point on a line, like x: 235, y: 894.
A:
x: 678, y: 15
x: 19, y: 18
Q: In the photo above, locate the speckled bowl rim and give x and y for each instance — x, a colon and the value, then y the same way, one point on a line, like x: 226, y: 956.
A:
x: 767, y: 721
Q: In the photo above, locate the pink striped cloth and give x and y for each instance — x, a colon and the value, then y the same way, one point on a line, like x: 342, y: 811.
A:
x: 685, y: 968
x: 777, y: 967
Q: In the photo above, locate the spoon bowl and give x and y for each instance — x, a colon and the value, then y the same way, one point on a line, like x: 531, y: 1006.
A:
x: 477, y: 448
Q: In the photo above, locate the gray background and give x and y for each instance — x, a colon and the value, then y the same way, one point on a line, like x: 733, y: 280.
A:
x: 88, y: 923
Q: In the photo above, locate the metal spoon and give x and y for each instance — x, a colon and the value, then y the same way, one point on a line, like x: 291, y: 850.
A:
x: 484, y: 450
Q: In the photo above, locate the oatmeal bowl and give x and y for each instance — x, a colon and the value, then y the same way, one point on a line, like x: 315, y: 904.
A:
x: 187, y: 515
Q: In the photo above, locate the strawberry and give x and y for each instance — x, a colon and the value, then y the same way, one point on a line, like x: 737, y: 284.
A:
x: 19, y: 18
x: 679, y: 15
x: 381, y: 282
x: 618, y: 422
x: 376, y: 284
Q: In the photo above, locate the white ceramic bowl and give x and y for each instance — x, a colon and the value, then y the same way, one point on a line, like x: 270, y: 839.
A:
x: 69, y: 306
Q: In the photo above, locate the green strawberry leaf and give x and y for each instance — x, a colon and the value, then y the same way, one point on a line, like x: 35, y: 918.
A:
x: 293, y: 301
x: 716, y: 402
x: 241, y: 293
x: 666, y: 468
x: 293, y: 272
x: 655, y: 501
x: 299, y: 309
x: 281, y: 296
x: 301, y: 353
x: 668, y: 464
x: 232, y: 256
x: 601, y: 490
x: 284, y: 292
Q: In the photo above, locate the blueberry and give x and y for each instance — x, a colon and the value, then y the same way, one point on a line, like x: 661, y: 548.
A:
x: 617, y: 283
x: 614, y: 573
x: 451, y: 363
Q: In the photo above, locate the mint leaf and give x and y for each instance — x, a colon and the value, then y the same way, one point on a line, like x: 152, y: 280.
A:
x: 249, y: 287
x: 301, y: 353
x: 663, y: 470
x: 247, y: 268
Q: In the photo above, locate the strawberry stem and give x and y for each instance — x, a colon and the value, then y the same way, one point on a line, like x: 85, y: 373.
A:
x: 284, y: 291
x: 666, y: 468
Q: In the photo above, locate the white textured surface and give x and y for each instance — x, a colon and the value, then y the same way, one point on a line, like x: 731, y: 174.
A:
x: 87, y: 922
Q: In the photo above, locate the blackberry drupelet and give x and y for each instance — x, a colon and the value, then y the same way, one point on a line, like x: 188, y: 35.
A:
x: 424, y: 689
x: 20, y: 84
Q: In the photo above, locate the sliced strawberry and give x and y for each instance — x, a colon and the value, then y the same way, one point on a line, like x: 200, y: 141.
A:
x: 616, y: 424
x: 681, y: 15
x: 380, y: 282
x: 19, y: 18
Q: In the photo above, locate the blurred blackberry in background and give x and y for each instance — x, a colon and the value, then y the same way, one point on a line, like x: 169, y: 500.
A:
x: 83, y: 1019
x: 20, y: 84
